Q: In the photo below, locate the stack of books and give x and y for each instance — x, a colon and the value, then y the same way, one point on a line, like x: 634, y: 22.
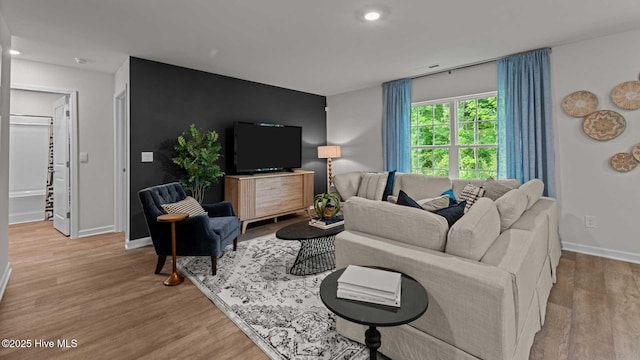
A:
x: 370, y: 285
x: 326, y: 223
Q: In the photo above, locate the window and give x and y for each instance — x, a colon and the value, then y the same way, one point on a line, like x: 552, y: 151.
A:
x: 455, y: 137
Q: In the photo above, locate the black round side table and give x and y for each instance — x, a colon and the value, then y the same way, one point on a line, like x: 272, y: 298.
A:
x: 414, y: 301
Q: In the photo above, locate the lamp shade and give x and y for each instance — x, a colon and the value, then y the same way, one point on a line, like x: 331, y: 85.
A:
x: 332, y: 151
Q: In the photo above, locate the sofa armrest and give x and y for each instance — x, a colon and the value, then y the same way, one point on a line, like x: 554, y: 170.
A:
x: 396, y: 222
x: 223, y: 208
x: 471, y: 304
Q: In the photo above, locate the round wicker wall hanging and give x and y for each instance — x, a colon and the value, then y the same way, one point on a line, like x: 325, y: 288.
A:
x: 627, y: 95
x: 623, y: 162
x: 603, y: 125
x: 580, y: 103
x: 636, y: 152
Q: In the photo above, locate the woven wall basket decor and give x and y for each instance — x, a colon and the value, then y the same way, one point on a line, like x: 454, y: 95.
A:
x: 636, y: 152
x: 603, y: 125
x: 580, y: 103
x: 627, y: 95
x: 623, y: 162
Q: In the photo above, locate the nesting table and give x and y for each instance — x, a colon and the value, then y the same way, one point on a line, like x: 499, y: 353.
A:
x: 317, y: 247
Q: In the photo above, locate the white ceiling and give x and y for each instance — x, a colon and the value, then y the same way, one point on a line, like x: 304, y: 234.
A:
x: 317, y: 46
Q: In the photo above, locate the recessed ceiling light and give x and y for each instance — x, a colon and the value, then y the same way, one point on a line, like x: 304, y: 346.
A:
x: 372, y: 15
x: 80, y: 60
x: 14, y: 52
x: 433, y: 66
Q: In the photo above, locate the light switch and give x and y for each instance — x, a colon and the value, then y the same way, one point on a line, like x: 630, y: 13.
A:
x: 84, y: 157
x: 147, y: 156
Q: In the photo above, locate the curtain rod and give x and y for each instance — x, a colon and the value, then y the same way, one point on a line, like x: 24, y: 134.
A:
x: 472, y: 64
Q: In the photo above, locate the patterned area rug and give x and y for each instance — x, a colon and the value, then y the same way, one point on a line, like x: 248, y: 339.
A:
x: 281, y: 313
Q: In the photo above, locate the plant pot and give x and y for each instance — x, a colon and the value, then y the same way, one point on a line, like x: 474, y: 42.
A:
x: 329, y: 212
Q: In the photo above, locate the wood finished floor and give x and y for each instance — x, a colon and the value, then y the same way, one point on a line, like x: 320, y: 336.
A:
x: 108, y: 299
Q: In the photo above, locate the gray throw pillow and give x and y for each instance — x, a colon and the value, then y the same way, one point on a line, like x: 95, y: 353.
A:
x: 372, y: 185
x: 494, y: 189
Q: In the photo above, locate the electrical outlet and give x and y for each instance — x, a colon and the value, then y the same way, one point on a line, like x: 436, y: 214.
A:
x: 590, y: 221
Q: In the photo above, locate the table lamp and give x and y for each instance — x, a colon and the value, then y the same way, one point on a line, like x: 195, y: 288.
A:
x: 328, y: 152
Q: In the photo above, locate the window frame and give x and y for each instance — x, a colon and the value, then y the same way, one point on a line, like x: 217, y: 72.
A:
x: 454, y: 146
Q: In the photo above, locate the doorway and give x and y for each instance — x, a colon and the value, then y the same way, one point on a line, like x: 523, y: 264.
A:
x: 65, y: 136
x: 121, y: 161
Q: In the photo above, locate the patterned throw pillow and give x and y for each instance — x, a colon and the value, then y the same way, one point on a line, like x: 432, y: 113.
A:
x: 187, y: 206
x: 470, y: 194
x: 494, y: 189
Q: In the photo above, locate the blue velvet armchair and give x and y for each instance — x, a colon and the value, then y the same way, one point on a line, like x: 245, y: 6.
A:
x: 201, y: 235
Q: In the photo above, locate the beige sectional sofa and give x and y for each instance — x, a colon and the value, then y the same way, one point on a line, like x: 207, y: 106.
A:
x: 488, y: 276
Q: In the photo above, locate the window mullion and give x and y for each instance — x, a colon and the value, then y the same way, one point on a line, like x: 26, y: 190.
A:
x: 453, y: 149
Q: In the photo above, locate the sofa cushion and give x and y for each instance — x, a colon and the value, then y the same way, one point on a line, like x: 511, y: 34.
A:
x: 187, y: 206
x: 452, y: 213
x: 533, y: 189
x: 470, y: 194
x: 372, y: 185
x: 420, y: 186
x: 347, y: 184
x: 473, y: 234
x: 400, y: 223
x: 510, y: 207
x: 494, y: 189
x: 514, y: 251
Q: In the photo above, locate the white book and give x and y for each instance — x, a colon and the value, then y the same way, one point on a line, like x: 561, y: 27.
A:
x: 367, y: 278
x: 369, y: 291
x: 352, y: 295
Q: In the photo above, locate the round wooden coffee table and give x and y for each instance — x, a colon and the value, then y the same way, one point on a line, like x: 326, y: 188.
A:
x: 317, y: 248
x: 414, y: 301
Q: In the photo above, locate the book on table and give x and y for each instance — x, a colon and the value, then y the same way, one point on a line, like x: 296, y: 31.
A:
x: 370, y: 285
x: 326, y: 223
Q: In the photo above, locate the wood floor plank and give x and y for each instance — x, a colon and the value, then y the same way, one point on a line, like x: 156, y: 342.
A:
x: 108, y: 299
x: 591, y: 335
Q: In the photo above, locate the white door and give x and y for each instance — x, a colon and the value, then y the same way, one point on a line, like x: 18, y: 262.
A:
x: 61, y: 157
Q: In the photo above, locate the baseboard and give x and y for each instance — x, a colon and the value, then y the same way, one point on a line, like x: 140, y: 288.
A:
x: 137, y: 243
x: 5, y: 280
x: 26, y: 217
x: 597, y: 251
x: 96, y: 231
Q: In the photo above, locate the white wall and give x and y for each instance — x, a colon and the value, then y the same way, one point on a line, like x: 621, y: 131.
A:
x: 95, y: 134
x: 354, y: 120
x: 588, y: 184
x: 5, y: 81
x: 33, y: 103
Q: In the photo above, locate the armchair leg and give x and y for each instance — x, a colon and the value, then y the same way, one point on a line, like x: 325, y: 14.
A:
x: 161, y: 260
x: 235, y: 244
x: 214, y: 264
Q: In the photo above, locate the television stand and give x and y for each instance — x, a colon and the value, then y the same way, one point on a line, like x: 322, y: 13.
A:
x: 270, y: 195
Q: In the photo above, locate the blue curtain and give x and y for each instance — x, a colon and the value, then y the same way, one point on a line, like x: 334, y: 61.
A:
x: 396, y: 131
x: 525, y: 128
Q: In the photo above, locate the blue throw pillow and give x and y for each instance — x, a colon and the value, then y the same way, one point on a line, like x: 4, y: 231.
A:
x: 389, y: 188
x: 451, y: 213
x: 406, y: 200
x: 452, y: 197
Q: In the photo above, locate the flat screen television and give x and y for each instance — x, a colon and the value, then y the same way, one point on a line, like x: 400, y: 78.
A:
x: 260, y: 147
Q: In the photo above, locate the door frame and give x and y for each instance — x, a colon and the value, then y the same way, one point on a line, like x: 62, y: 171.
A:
x: 73, y: 154
x: 121, y: 146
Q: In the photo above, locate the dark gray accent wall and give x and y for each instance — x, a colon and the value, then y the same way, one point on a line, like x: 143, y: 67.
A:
x: 165, y: 99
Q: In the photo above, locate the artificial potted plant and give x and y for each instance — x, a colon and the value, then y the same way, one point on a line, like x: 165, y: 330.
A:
x: 197, y: 153
x: 326, y: 205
